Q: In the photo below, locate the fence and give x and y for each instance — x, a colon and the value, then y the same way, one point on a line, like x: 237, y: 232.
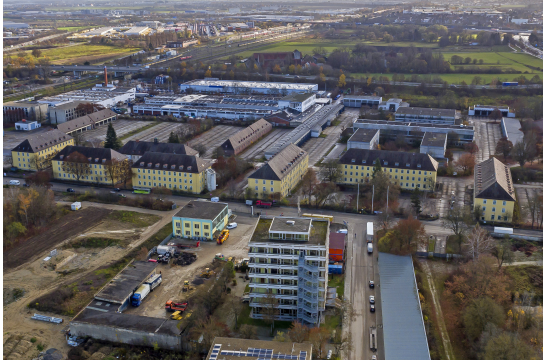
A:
x: 438, y: 255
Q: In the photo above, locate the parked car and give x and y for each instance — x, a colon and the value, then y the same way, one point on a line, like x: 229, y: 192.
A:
x: 70, y: 190
x: 329, y: 354
x: 372, y: 308
x: 232, y: 225
x: 371, y: 299
x: 14, y: 182
x: 371, y: 284
x: 117, y: 189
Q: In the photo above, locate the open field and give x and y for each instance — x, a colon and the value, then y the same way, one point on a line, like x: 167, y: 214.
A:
x: 84, y: 52
x: 501, y: 60
x: 74, y: 28
x: 458, y: 78
x: 68, y: 226
x: 214, y: 138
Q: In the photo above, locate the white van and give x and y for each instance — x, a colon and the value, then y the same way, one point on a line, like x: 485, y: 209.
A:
x: 215, y: 199
x: 14, y: 182
x: 342, y: 231
x: 369, y: 248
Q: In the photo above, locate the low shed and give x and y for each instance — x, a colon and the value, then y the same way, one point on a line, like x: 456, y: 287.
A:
x: 337, y: 246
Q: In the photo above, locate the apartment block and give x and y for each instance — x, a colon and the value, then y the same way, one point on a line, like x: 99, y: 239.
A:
x: 35, y: 152
x: 289, y: 269
x: 494, y: 191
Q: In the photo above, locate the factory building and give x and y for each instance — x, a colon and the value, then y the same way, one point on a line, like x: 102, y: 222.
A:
x: 298, y: 102
x: 253, y: 87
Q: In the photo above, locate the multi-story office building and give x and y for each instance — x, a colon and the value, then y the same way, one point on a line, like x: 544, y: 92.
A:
x: 280, y: 174
x: 288, y: 269
x: 173, y: 171
x: 408, y: 170
x: 28, y: 110
x: 36, y: 151
x: 494, y: 192
x: 97, y: 170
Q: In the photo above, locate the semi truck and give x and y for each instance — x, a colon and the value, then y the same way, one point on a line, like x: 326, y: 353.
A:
x: 263, y: 204
x: 140, y: 294
x: 154, y: 281
x: 370, y: 232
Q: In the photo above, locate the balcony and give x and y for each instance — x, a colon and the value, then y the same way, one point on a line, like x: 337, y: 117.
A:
x: 308, y: 319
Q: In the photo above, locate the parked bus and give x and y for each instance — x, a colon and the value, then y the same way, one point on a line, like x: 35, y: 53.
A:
x: 318, y: 216
x: 141, y: 191
x: 373, y: 338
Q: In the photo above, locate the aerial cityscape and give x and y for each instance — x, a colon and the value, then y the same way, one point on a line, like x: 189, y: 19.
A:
x: 290, y: 180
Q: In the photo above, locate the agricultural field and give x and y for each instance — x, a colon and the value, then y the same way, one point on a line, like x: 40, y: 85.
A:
x: 502, y: 60
x: 455, y: 78
x: 79, y: 54
x: 74, y: 28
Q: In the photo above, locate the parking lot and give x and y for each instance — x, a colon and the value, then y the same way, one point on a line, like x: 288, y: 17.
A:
x: 523, y: 192
x: 318, y: 147
x: 174, y: 275
x: 258, y: 149
x: 214, y: 138
x: 160, y: 132
x: 122, y: 127
x: 453, y: 189
x: 13, y: 138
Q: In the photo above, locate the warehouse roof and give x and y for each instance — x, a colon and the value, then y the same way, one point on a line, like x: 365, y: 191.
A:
x: 42, y: 141
x: 128, y: 321
x: 281, y: 164
x: 234, y: 349
x: 206, y: 210
x: 251, y: 84
x: 416, y: 111
x: 403, y: 326
x: 297, y: 97
x: 510, y: 128
x: 363, y: 135
x: 259, y: 126
x: 124, y: 283
x: 493, y: 181
x: 141, y: 147
x: 362, y: 97
x: 102, y: 154
x: 86, y: 120
x: 171, y: 162
x: 392, y: 159
x: 434, y: 139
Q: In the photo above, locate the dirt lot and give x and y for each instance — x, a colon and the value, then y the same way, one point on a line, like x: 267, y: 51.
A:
x: 214, y: 138
x: 66, y: 227
x: 121, y: 127
x: 174, y: 276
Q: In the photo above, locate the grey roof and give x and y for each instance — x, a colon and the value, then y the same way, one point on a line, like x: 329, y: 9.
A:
x: 171, y: 162
x: 278, y: 167
x: 303, y: 351
x: 318, y: 233
x: 88, y: 152
x: 403, y: 326
x: 281, y: 224
x: 124, y: 283
x: 69, y: 105
x: 395, y: 100
x: 128, y: 321
x: 362, y: 97
x: 297, y: 97
x: 42, y: 141
x: 510, y: 128
x: 390, y: 159
x: 206, y: 210
x: 493, y: 181
x: 434, y: 139
x: 141, y: 147
x: 426, y: 112
x: 363, y: 135
x: 84, y: 121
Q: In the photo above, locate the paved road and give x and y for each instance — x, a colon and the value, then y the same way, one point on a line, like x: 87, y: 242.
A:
x: 34, y: 41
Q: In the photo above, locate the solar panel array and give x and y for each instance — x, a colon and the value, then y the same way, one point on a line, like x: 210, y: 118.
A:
x: 260, y: 354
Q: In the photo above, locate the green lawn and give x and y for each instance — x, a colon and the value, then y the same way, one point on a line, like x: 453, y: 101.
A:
x: 458, y: 78
x: 338, y: 282
x: 503, y: 60
x: 74, y: 28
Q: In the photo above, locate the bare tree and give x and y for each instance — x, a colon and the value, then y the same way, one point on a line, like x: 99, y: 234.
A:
x: 503, y: 252
x: 235, y: 306
x: 248, y: 331
x: 114, y: 169
x: 331, y: 170
x: 535, y: 206
x: 201, y: 148
x: 309, y: 184
x: 478, y: 242
x: 342, y: 343
x: 77, y: 164
x: 457, y: 220
x: 386, y: 218
x: 298, y: 332
x: 269, y: 308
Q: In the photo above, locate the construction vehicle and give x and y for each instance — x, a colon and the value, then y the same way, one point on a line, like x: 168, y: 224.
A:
x: 187, y: 287
x: 172, y: 305
x: 207, y: 273
x: 224, y: 235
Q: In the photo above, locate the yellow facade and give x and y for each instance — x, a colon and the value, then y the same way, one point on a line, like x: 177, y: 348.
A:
x: 175, y: 180
x: 407, y: 179
x: 98, y: 174
x: 263, y: 188
x: 27, y: 160
x: 495, y: 210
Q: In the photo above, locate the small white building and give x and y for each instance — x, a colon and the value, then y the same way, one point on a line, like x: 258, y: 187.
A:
x: 486, y: 110
x: 361, y: 100
x: 297, y: 102
x: 25, y: 125
x: 210, y: 179
x: 364, y: 139
x: 392, y: 105
x: 434, y: 144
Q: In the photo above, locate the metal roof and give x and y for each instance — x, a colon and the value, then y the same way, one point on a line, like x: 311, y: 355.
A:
x: 403, y: 326
x: 510, y: 128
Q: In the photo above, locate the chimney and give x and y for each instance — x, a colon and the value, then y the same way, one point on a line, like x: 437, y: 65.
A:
x: 105, y: 77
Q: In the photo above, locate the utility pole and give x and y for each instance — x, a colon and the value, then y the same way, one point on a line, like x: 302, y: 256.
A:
x: 358, y: 200
x: 387, y: 193
x: 373, y: 201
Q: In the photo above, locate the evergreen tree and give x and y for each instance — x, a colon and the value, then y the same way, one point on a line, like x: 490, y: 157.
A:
x: 173, y: 138
x: 415, y: 200
x: 377, y: 167
x: 112, y: 142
